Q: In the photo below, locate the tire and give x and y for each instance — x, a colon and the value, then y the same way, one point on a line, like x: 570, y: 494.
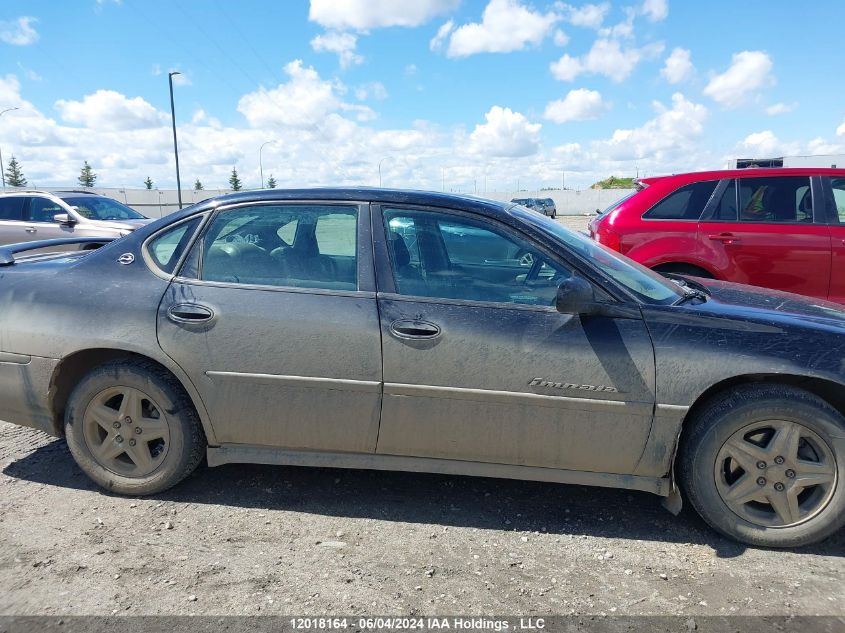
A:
x: 138, y: 407
x: 739, y: 418
x: 683, y: 269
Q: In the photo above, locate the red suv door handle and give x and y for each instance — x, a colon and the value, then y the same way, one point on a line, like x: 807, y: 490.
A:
x: 725, y: 238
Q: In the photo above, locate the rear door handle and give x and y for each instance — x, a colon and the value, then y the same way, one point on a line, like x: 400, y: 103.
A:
x: 726, y: 238
x: 190, y: 313
x: 31, y: 229
x: 414, y: 329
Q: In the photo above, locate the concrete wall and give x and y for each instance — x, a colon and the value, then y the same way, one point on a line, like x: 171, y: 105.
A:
x: 156, y: 203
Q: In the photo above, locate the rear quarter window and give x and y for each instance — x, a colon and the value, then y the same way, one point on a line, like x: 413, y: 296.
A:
x: 686, y: 203
x: 166, y: 248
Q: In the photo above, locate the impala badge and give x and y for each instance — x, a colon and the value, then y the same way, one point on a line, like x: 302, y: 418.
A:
x: 539, y: 382
x: 126, y: 258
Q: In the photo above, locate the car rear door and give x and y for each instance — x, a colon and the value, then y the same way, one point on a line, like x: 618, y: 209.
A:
x: 274, y: 317
x: 479, y: 365
x: 766, y: 231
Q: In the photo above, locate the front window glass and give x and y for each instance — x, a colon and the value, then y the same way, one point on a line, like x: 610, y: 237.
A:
x: 100, y: 208
x: 303, y: 246
x: 450, y: 257
x: 781, y: 199
x: 43, y: 210
x: 643, y: 283
x: 838, y: 185
x: 686, y: 203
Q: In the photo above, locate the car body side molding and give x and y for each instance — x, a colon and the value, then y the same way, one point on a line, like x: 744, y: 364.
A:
x: 249, y: 454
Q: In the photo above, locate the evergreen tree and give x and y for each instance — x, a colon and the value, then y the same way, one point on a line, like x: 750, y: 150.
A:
x: 234, y: 181
x: 87, y: 177
x: 14, y: 174
x: 148, y: 183
x: 271, y: 182
x: 198, y: 185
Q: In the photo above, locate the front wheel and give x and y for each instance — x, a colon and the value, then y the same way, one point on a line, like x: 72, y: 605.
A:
x: 131, y: 428
x: 765, y: 465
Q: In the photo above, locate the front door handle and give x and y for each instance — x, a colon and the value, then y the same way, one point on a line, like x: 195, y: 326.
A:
x: 190, y: 313
x: 31, y: 229
x: 414, y: 329
x: 725, y: 238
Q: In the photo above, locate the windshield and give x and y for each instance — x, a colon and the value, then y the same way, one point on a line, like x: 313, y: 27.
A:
x: 643, y: 283
x: 99, y: 208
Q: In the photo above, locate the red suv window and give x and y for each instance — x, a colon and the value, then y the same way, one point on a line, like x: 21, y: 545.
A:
x: 685, y: 203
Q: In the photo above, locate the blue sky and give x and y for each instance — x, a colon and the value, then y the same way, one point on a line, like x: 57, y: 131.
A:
x: 442, y: 90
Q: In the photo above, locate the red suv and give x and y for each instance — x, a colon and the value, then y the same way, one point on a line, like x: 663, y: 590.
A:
x: 778, y: 228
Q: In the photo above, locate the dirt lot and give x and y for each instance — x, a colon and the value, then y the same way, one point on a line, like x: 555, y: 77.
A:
x: 271, y: 540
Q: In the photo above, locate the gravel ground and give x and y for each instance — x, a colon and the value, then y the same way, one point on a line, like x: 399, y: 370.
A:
x: 275, y: 540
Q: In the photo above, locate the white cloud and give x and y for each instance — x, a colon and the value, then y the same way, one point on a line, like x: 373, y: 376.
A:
x: 342, y: 44
x: 506, y: 25
x: 362, y: 15
x: 671, y: 133
x: 780, y: 108
x: 766, y: 144
x: 506, y: 133
x: 111, y: 110
x: 578, y: 105
x: 749, y: 73
x: 373, y: 89
x: 560, y: 38
x: 678, y: 66
x: 588, y: 16
x: 606, y: 57
x: 655, y: 10
x: 840, y: 131
x: 19, y: 32
x: 442, y: 35
x: 303, y: 101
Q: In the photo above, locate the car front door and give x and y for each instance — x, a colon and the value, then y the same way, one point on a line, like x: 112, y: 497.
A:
x: 274, y: 317
x: 835, y: 193
x: 763, y: 231
x: 39, y: 220
x: 479, y: 365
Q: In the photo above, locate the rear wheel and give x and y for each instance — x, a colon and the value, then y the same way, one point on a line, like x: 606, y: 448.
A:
x: 132, y: 428
x: 765, y: 465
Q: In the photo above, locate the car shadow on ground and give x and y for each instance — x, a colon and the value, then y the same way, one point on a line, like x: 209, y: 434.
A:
x: 483, y: 503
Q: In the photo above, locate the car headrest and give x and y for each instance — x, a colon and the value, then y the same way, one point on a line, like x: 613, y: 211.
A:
x: 401, y: 255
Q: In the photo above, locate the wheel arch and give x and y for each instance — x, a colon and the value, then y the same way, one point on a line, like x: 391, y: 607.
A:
x: 675, y: 262
x: 73, y: 367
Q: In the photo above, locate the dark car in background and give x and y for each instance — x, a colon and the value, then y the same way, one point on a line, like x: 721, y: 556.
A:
x: 360, y: 328
x: 30, y: 215
x: 546, y: 206
x: 780, y: 228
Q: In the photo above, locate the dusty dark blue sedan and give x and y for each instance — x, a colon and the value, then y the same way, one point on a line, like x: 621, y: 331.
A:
x: 401, y: 330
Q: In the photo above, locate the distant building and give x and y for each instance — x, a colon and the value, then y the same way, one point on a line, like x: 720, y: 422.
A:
x: 822, y: 160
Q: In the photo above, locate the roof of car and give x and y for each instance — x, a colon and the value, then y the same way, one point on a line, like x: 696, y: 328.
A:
x: 749, y: 172
x: 60, y: 194
x: 363, y: 194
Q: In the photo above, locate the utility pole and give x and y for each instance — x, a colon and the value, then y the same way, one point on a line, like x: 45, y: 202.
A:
x: 175, y: 146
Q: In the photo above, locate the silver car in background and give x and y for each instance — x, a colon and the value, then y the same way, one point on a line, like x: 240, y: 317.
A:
x: 27, y: 216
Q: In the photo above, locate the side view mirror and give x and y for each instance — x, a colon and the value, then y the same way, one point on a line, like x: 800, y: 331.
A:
x: 598, y: 211
x: 575, y: 295
x: 64, y: 219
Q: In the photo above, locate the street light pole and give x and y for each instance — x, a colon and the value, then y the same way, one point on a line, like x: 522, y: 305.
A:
x: 2, y: 171
x: 379, y: 169
x: 260, y: 163
x: 175, y: 145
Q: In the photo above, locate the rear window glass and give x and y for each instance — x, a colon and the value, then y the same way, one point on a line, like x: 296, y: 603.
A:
x: 11, y: 208
x: 686, y: 203
x: 782, y: 199
x: 166, y: 248
x: 838, y: 185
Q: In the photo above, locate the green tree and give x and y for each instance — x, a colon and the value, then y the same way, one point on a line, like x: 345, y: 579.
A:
x: 148, y: 183
x: 234, y: 181
x: 198, y: 185
x: 14, y: 174
x: 87, y: 177
x: 271, y: 182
